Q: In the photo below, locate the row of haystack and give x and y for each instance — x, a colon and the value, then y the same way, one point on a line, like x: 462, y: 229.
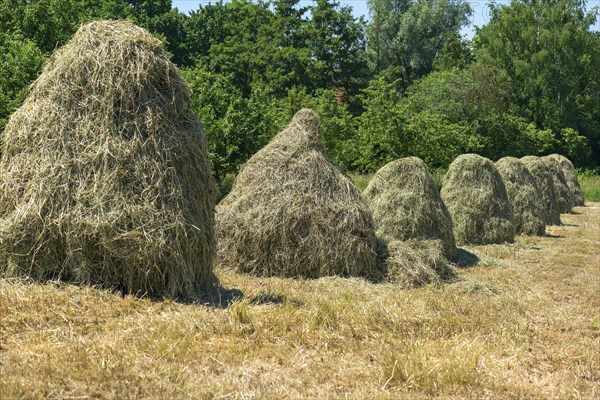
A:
x: 105, y: 179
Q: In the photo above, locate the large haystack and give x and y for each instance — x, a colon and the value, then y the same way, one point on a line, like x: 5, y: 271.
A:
x: 104, y: 177
x: 524, y: 196
x: 291, y: 212
x: 543, y: 177
x: 568, y: 171
x: 406, y: 204
x: 564, y: 195
x: 477, y: 200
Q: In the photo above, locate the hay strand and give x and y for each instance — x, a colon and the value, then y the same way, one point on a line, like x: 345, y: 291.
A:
x: 476, y: 198
x: 104, y: 177
x: 292, y: 213
x: 524, y: 196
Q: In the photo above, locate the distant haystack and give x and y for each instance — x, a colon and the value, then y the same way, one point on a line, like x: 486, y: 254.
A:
x: 543, y: 177
x: 524, y: 196
x: 292, y: 213
x: 415, y: 263
x: 406, y: 205
x: 477, y: 200
x: 563, y: 193
x: 104, y: 177
x: 571, y: 178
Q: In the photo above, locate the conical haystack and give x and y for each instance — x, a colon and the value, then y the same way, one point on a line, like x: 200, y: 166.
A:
x: 543, y: 177
x: 524, y: 196
x: 291, y: 212
x: 477, y: 200
x: 568, y: 171
x: 563, y: 193
x: 406, y: 205
x: 104, y: 176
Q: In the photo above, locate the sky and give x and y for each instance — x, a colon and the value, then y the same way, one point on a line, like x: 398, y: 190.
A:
x: 359, y: 8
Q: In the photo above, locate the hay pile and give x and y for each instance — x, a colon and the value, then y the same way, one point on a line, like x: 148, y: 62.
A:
x: 543, y: 177
x: 292, y: 213
x: 477, y: 200
x: 563, y: 192
x: 104, y: 177
x: 406, y: 204
x: 568, y: 171
x: 524, y: 196
x: 415, y: 263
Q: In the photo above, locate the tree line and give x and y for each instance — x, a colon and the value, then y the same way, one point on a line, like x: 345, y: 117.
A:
x: 403, y: 83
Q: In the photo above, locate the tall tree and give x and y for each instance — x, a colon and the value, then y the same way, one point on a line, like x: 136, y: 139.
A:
x: 550, y: 56
x: 405, y: 37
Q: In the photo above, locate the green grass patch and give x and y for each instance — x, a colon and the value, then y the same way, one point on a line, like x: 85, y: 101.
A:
x: 360, y: 180
x: 590, y: 183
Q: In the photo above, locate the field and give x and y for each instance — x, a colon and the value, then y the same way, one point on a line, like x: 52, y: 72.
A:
x: 523, y: 323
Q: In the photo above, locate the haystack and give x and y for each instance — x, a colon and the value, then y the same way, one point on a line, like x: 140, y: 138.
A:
x: 415, y: 263
x: 104, y: 177
x: 292, y: 213
x: 406, y: 205
x: 543, y: 177
x: 477, y: 200
x: 563, y: 193
x: 524, y: 196
x: 568, y: 171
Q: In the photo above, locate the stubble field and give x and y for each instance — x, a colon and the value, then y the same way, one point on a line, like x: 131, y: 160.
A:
x: 523, y: 323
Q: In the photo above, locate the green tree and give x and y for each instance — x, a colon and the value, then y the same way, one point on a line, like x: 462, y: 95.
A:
x: 405, y: 37
x: 20, y: 62
x: 550, y: 58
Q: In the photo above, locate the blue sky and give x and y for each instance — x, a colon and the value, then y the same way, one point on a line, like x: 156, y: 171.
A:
x: 359, y: 7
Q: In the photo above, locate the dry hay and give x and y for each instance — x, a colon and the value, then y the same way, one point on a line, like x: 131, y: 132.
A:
x: 104, y: 177
x: 477, y: 200
x: 568, y: 171
x: 415, y: 263
x: 543, y: 177
x: 292, y: 213
x: 524, y: 196
x: 406, y: 204
x: 563, y: 192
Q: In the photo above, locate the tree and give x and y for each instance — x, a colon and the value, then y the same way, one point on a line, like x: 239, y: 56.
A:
x: 550, y: 57
x: 405, y: 37
x: 20, y: 63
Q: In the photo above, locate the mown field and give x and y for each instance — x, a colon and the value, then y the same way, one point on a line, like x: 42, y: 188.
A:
x: 523, y: 323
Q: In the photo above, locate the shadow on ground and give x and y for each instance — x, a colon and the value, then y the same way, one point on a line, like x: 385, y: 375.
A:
x: 465, y: 259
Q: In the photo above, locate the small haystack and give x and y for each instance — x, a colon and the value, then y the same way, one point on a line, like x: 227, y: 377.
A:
x: 477, y: 200
x: 524, y: 196
x: 292, y: 213
x: 563, y: 193
x: 104, y: 177
x: 406, y: 205
x: 543, y: 177
x: 415, y: 263
x: 568, y: 171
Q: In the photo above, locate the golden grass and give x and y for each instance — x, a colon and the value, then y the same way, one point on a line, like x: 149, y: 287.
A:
x: 538, y: 338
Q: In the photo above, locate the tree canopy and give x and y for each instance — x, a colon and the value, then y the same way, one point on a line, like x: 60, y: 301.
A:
x: 402, y: 83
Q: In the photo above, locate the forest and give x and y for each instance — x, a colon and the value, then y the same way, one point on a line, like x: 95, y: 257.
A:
x: 404, y: 82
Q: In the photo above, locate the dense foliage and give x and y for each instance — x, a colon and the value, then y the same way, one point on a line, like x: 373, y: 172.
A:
x: 404, y: 83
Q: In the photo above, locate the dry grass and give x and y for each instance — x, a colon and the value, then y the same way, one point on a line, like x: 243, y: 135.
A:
x: 537, y: 338
x: 543, y: 177
x: 476, y: 198
x: 524, y: 196
x: 406, y: 204
x: 104, y: 176
x: 291, y: 212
